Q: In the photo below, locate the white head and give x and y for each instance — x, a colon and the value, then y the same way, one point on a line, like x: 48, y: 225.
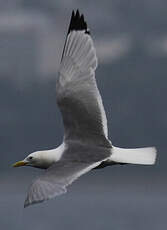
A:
x: 39, y: 159
x: 42, y: 159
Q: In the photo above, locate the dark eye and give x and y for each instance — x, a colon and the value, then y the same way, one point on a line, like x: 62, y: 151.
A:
x: 30, y: 158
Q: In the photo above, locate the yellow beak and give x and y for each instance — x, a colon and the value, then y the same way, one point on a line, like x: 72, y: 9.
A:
x: 19, y: 163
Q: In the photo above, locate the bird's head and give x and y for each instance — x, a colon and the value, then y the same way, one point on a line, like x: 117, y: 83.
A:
x: 35, y: 159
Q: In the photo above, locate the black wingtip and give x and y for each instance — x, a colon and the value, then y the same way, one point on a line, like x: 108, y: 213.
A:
x: 77, y: 22
x: 77, y: 14
x: 73, y: 13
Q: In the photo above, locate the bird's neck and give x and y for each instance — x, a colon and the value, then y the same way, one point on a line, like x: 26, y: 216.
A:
x: 49, y: 157
x: 55, y: 154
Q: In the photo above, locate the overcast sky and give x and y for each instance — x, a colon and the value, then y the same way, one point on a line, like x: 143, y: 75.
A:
x: 131, y: 42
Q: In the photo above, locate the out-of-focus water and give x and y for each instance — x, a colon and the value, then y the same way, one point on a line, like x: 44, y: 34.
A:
x: 127, y: 201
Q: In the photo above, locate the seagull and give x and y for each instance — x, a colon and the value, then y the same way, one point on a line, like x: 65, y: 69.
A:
x: 85, y: 145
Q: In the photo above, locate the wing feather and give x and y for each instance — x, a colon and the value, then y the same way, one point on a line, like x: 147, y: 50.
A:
x: 55, y: 180
x: 77, y: 94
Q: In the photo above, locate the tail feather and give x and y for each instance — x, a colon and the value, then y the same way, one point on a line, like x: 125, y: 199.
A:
x: 145, y: 156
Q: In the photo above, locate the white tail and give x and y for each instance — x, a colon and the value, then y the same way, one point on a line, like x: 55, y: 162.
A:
x: 145, y: 156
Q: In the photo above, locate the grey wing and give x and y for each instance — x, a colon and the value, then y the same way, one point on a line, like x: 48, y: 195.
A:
x: 55, y: 180
x: 78, y: 97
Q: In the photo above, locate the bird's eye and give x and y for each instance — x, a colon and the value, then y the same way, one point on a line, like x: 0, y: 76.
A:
x: 30, y: 158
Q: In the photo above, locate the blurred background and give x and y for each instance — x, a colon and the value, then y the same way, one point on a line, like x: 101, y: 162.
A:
x: 131, y: 41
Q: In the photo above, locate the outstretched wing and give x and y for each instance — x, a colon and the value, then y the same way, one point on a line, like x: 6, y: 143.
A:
x: 77, y: 94
x: 55, y: 180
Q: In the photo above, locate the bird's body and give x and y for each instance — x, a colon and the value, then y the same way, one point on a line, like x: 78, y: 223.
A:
x: 86, y: 144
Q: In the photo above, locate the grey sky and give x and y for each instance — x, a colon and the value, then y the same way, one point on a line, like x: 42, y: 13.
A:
x: 131, y: 41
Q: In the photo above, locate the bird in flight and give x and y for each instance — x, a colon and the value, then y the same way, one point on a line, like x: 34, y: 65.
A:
x: 86, y: 145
